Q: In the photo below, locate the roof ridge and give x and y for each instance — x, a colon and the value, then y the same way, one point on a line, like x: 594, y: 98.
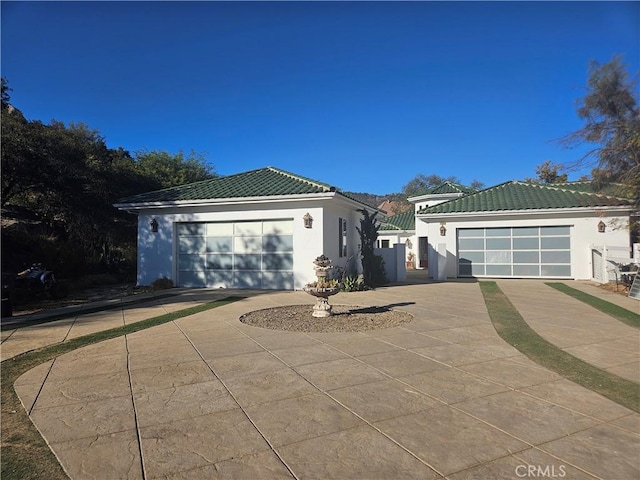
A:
x: 517, y: 195
x: 557, y: 187
x: 486, y: 189
x: 455, y: 184
x: 310, y: 181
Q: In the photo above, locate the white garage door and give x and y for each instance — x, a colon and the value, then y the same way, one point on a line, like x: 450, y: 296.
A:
x: 257, y: 254
x: 515, y: 252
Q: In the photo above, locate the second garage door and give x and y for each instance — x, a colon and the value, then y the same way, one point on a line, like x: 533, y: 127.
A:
x: 535, y: 252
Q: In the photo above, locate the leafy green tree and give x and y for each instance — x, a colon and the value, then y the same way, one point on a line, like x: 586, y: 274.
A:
x: 421, y: 183
x: 5, y: 89
x: 612, y: 125
x: 66, y: 178
x: 18, y: 157
x: 170, y: 170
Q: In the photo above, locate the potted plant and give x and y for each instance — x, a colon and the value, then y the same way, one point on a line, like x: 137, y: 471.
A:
x: 411, y: 261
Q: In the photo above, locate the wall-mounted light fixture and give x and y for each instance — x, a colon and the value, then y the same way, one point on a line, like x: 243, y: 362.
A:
x: 443, y: 230
x: 308, y: 220
x: 408, y: 244
x: 601, y: 227
x: 154, y: 225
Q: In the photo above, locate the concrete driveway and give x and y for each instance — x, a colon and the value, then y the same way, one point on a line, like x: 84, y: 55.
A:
x: 443, y: 396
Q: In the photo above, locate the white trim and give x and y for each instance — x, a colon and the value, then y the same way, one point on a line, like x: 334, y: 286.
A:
x: 245, y: 200
x: 502, y: 213
x: 223, y: 201
x: 436, y: 196
x: 392, y: 232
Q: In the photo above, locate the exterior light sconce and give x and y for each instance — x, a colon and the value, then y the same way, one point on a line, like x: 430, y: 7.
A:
x: 308, y: 220
x: 443, y: 230
x: 408, y: 244
x: 601, y: 227
x: 154, y: 225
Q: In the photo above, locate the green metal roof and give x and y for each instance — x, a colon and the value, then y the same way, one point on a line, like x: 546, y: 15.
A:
x: 611, y: 189
x: 401, y: 221
x: 450, y: 187
x: 264, y: 182
x: 447, y: 187
x: 516, y: 195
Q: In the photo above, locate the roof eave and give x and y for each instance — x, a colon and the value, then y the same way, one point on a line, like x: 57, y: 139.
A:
x: 494, y: 213
x: 223, y: 201
x: 398, y: 230
x: 433, y: 196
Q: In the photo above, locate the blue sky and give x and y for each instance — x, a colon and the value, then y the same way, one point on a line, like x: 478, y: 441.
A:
x: 361, y: 95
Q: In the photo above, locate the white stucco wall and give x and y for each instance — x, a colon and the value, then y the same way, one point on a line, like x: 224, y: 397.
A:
x: 157, y: 251
x: 332, y: 212
x: 394, y: 262
x: 584, y: 234
x: 401, y: 236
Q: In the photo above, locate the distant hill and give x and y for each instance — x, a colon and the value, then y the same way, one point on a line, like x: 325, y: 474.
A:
x: 398, y: 200
x: 369, y: 198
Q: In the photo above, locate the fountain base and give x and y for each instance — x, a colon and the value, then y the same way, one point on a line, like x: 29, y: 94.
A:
x: 322, y: 308
x: 322, y: 289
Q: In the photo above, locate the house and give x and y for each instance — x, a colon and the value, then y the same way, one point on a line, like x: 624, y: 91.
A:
x: 524, y: 230
x: 263, y: 229
x: 401, y: 228
x: 515, y: 230
x: 257, y: 229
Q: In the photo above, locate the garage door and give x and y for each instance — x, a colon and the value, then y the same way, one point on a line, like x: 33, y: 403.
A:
x: 515, y: 252
x: 257, y: 254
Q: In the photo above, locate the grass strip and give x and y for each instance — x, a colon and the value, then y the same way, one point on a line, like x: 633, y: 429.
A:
x: 25, y: 454
x: 627, y: 316
x: 516, y: 332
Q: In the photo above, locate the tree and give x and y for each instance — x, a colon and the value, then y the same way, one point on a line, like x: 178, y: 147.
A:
x: 170, y: 170
x: 66, y: 178
x: 372, y: 264
x: 419, y: 184
x: 476, y: 184
x: 612, y: 124
x: 6, y: 98
x: 548, y: 173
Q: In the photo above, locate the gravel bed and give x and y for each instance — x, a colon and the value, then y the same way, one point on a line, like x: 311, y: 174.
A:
x: 345, y: 318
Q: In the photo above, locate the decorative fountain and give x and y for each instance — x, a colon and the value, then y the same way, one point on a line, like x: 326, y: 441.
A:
x: 323, y: 288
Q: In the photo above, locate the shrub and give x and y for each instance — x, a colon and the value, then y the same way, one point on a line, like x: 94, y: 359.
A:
x: 378, y: 275
x: 329, y: 283
x: 163, y: 283
x: 352, y: 284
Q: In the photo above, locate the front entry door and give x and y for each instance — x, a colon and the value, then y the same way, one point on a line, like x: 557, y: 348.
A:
x: 423, y: 252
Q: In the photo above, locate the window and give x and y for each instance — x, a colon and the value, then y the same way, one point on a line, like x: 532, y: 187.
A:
x: 342, y: 237
x: 382, y: 243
